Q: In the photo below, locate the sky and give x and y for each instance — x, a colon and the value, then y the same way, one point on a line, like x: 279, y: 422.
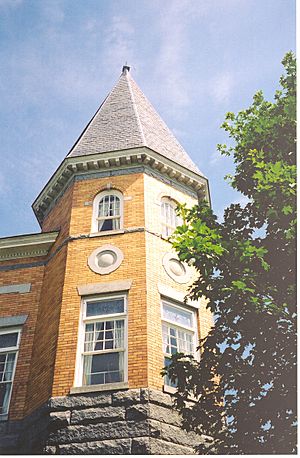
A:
x: 195, y: 60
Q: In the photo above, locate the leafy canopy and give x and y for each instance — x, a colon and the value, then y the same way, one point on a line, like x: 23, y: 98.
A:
x: 245, y: 382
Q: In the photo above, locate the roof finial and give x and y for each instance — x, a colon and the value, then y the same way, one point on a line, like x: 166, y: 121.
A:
x: 125, y: 68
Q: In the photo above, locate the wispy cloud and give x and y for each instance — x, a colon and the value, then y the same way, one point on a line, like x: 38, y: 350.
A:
x: 52, y: 11
x: 222, y: 87
x: 216, y: 158
x: 118, y: 43
x: 172, y: 72
x: 10, y: 3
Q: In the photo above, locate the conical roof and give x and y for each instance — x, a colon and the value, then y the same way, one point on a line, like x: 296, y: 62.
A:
x: 126, y: 119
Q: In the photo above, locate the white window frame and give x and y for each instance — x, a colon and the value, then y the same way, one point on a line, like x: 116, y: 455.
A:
x: 15, y: 349
x: 167, y: 226
x: 170, y: 323
x: 81, y: 337
x: 96, y: 218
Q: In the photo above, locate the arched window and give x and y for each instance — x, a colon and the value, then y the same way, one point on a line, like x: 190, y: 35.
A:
x: 107, y: 211
x: 169, y: 218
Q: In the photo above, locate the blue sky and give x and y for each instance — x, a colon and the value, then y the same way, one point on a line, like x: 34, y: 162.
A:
x: 194, y: 59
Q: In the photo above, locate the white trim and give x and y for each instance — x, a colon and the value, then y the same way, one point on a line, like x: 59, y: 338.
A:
x: 166, y: 224
x: 25, y: 246
x: 107, y: 161
x: 14, y: 349
x: 193, y: 330
x: 81, y: 334
x: 97, y: 199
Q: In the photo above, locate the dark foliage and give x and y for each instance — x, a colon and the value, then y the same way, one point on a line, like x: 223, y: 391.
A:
x: 245, y: 383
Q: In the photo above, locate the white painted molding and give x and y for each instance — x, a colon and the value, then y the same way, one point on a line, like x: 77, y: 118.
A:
x: 114, y: 160
x: 26, y: 246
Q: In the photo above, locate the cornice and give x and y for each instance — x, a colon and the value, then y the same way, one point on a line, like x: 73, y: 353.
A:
x: 110, y: 161
x: 26, y: 246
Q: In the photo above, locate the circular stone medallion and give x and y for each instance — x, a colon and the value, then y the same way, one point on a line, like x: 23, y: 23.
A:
x: 175, y: 268
x: 105, y: 259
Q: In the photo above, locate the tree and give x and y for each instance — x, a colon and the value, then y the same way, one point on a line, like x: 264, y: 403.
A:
x: 245, y: 382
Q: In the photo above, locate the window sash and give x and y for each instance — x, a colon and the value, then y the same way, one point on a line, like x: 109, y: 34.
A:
x: 178, y: 310
x: 114, y: 336
x: 177, y: 337
x: 8, y: 363
x: 105, y: 316
x: 170, y: 219
x: 104, y: 336
x: 103, y: 342
x: 109, y: 206
x: 118, y: 302
x: 177, y: 340
x: 107, y: 211
x: 111, y: 372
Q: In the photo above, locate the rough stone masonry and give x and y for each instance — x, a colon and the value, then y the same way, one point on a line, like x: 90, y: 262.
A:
x: 138, y: 421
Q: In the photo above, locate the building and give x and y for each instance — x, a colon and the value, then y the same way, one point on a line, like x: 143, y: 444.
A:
x: 92, y: 307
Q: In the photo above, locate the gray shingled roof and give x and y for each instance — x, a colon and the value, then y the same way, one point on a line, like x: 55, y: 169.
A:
x: 126, y: 119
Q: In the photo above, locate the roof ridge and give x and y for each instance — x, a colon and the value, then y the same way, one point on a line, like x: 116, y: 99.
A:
x: 93, y: 117
x: 129, y: 79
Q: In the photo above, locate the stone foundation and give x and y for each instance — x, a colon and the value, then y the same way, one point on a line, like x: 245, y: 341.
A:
x: 136, y: 422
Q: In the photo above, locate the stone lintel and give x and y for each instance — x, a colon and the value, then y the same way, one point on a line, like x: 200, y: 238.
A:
x: 9, y: 321
x: 19, y: 288
x: 101, y: 288
x: 173, y: 294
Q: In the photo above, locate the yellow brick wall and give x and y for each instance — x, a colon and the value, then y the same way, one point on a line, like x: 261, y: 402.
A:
x: 143, y: 252
x: 77, y: 273
x: 49, y: 343
x: 156, y: 247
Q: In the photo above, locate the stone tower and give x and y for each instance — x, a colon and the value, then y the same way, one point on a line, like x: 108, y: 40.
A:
x: 92, y: 307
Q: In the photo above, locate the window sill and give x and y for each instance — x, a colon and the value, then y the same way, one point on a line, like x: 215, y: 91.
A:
x: 103, y: 233
x: 94, y: 388
x: 4, y: 417
x: 169, y: 389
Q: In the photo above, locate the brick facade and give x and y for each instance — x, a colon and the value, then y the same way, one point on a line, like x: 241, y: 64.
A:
x: 47, y: 360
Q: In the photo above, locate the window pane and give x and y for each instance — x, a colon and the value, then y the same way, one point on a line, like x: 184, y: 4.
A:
x: 111, y: 336
x: 106, y: 225
x: 5, y: 389
x: 180, y: 316
x: 9, y: 367
x: 109, y: 206
x: 8, y: 340
x: 177, y: 341
x: 103, y: 368
x: 168, y: 382
x: 105, y: 307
